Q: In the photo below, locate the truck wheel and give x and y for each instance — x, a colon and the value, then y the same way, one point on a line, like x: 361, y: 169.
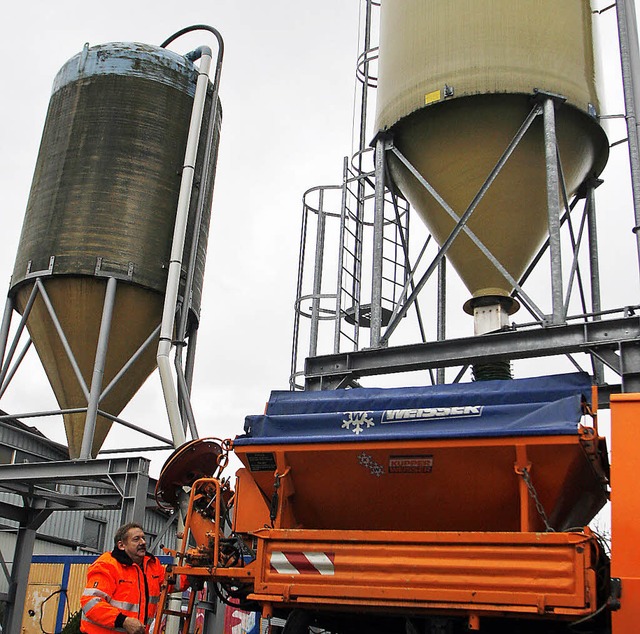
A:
x: 298, y: 622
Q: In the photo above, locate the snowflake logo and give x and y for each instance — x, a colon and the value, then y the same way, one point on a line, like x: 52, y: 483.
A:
x: 368, y: 462
x: 355, y: 421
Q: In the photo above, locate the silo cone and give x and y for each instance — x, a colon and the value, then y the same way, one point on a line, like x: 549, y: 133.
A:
x: 456, y: 82
x: 78, y: 303
x: 102, y: 204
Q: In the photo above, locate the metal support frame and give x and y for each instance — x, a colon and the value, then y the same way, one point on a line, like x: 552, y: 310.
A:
x: 97, y: 394
x: 461, y: 221
x: 615, y: 341
x: 543, y: 105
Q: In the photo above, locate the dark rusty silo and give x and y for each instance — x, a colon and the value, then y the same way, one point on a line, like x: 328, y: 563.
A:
x: 103, y: 204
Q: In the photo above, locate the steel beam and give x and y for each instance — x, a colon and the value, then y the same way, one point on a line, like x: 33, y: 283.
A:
x: 134, y: 494
x: 34, y: 518
x: 619, y: 335
x: 38, y: 472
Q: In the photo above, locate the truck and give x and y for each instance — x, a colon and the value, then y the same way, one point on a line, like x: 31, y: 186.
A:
x: 446, y: 508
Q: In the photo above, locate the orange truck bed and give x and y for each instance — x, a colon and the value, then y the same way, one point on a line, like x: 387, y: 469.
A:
x: 478, y: 573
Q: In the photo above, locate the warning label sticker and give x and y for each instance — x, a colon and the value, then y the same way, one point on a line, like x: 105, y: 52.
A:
x: 410, y: 464
x: 261, y: 461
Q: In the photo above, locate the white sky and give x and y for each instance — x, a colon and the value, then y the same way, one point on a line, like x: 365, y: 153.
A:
x: 287, y: 92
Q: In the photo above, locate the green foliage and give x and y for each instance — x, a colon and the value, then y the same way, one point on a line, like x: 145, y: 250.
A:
x: 73, y: 624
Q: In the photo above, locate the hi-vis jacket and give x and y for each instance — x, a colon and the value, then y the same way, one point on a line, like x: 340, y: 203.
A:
x: 117, y: 588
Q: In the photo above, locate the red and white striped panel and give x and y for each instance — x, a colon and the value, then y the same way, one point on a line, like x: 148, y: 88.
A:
x: 299, y: 563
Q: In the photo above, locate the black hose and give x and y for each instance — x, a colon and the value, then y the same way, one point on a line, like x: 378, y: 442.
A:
x: 190, y: 29
x: 235, y: 599
x: 63, y: 593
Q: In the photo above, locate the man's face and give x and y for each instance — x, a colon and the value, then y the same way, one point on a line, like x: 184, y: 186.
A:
x: 134, y: 544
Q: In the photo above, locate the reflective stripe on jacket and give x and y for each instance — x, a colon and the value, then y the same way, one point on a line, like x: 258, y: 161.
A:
x: 115, y: 586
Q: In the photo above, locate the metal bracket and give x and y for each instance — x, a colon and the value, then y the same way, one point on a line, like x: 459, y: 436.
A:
x: 48, y: 271
x: 540, y: 96
x: 615, y: 594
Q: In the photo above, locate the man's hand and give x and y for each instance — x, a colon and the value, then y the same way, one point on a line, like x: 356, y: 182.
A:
x: 133, y: 626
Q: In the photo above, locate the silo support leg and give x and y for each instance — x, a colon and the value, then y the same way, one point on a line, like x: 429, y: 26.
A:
x: 594, y: 269
x: 553, y: 208
x: 8, y: 357
x: 378, y: 238
x: 4, y: 328
x: 98, y: 369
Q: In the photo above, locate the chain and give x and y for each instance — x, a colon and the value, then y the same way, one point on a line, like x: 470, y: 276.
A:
x: 534, y: 496
x: 223, y: 458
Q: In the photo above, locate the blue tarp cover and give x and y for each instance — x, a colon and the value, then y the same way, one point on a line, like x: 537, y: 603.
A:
x: 549, y: 405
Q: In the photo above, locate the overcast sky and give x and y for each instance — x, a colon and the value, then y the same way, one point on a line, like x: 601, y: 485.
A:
x: 287, y: 93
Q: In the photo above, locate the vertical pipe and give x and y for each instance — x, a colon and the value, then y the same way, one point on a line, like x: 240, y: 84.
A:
x: 553, y: 209
x: 197, y: 225
x: 630, y: 64
x: 378, y: 235
x: 187, y: 409
x: 442, y: 311
x: 177, y: 247
x: 317, y: 277
x: 594, y: 267
x: 190, y: 361
x: 98, y: 369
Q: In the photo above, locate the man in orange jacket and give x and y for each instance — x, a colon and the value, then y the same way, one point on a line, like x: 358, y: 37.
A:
x: 123, y: 587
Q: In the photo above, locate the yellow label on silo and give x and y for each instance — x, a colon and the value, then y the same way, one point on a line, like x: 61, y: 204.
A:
x: 432, y: 97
